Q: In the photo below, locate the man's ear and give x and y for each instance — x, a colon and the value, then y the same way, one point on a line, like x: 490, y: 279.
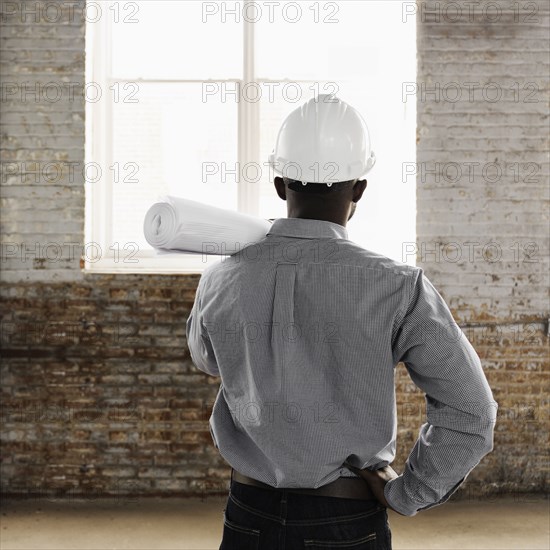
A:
x: 359, y: 189
x: 280, y: 187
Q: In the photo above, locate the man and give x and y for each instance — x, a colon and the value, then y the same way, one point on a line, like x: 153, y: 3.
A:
x: 305, y: 329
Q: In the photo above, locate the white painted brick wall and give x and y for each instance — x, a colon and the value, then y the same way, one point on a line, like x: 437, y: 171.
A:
x: 39, y: 47
x: 511, y: 55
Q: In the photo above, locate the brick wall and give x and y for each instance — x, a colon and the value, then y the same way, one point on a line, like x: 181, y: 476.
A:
x: 482, y: 193
x: 99, y: 395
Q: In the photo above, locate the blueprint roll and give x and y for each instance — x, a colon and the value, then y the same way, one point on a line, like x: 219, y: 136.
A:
x: 182, y: 225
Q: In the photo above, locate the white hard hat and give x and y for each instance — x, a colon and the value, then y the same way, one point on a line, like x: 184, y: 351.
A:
x: 323, y: 141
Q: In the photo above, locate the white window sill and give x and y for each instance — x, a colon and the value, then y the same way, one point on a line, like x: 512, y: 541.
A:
x: 151, y: 261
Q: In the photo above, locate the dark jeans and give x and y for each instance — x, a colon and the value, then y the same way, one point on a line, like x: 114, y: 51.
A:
x: 260, y: 519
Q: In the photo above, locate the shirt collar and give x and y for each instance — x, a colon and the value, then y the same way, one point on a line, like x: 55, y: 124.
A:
x: 307, y: 229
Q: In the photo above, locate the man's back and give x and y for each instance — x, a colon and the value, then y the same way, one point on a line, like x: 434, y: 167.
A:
x: 305, y: 329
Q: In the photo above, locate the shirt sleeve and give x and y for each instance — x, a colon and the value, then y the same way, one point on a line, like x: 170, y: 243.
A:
x: 198, y: 341
x: 460, y: 408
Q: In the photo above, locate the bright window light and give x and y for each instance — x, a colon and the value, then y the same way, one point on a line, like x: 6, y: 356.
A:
x: 193, y: 92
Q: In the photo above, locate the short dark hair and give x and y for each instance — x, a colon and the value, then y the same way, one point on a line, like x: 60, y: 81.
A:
x: 318, y: 188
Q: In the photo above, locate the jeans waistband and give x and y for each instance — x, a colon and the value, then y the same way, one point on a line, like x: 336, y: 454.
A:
x: 343, y: 487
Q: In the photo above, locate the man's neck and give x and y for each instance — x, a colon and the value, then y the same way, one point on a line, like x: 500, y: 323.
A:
x: 334, y: 218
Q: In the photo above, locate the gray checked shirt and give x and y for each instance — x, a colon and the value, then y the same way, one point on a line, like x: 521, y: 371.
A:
x: 305, y: 328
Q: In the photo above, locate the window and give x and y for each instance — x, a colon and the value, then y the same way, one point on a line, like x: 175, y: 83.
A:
x: 185, y: 98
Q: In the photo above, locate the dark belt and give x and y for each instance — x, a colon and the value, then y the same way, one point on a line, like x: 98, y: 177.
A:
x: 343, y: 487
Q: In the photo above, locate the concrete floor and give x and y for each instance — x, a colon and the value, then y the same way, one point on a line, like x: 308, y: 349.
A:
x: 143, y: 524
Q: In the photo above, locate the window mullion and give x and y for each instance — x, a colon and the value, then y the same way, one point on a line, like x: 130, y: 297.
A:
x: 109, y: 189
x: 113, y: 79
x: 249, y: 128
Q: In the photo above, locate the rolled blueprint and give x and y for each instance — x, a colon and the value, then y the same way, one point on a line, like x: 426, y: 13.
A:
x: 177, y: 224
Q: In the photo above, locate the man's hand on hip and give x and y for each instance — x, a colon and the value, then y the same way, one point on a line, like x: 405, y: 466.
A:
x: 376, y: 480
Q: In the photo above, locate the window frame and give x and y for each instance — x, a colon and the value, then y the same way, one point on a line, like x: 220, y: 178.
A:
x: 99, y: 149
x: 99, y: 228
